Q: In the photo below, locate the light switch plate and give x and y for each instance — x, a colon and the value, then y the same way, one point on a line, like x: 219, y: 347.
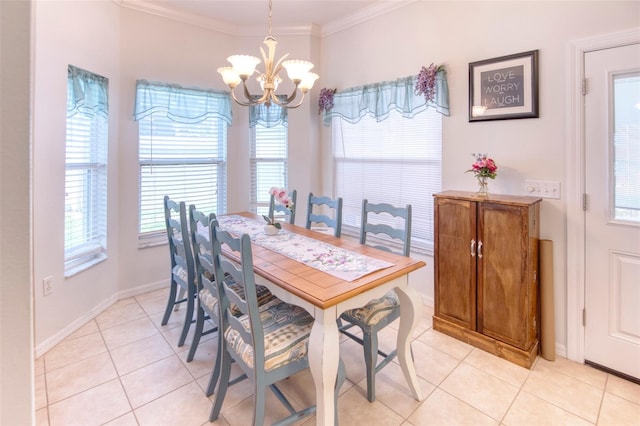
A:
x: 542, y: 188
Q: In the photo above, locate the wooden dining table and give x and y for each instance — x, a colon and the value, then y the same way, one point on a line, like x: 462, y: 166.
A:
x: 326, y: 297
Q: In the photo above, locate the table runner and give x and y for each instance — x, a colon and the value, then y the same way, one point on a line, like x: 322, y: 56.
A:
x: 341, y: 263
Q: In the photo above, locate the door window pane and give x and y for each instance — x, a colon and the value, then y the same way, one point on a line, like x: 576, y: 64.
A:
x: 626, y: 147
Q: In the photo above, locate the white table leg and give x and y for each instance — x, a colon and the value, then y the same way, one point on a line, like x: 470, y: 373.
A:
x: 410, y: 311
x: 324, y: 355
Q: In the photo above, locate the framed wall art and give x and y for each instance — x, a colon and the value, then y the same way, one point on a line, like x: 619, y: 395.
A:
x: 504, y: 88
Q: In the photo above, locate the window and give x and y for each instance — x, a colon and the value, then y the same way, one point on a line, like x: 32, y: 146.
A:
x: 182, y: 152
x: 268, y: 153
x: 268, y: 164
x: 187, y: 162
x: 396, y: 160
x: 85, y: 218
x: 626, y: 148
x: 387, y: 147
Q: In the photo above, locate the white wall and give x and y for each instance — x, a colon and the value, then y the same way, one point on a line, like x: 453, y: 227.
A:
x: 16, y: 316
x: 87, y: 35
x: 126, y: 45
x: 155, y: 49
x: 160, y: 49
x: 456, y: 33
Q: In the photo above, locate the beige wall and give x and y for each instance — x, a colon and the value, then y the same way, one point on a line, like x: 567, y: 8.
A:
x: 126, y: 45
x: 16, y: 317
x: 87, y: 35
x: 456, y: 33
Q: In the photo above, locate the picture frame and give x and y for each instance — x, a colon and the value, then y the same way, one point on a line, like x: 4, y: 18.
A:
x: 504, y: 88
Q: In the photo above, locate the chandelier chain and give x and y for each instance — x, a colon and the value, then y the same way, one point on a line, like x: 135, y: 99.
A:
x: 270, y: 6
x: 244, y: 66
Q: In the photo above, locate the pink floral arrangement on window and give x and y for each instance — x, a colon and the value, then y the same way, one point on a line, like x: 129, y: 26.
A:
x: 281, y: 196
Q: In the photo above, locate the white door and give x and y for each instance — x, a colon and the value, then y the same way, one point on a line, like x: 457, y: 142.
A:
x: 612, y: 216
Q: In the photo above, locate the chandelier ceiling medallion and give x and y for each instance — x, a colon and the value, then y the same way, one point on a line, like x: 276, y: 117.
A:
x: 243, y: 67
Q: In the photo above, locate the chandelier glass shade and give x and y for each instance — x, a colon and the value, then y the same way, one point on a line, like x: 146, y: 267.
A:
x: 244, y: 66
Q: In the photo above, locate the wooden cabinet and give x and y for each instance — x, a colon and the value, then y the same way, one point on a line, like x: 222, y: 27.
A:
x: 486, y: 272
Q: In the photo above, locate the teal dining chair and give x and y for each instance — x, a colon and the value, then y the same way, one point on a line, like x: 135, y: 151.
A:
x: 276, y: 209
x: 394, y: 223
x: 206, y: 309
x: 182, y: 287
x: 333, y: 221
x: 207, y: 291
x: 269, y: 343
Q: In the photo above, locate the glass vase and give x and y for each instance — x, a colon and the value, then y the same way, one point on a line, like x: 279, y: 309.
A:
x: 483, y: 189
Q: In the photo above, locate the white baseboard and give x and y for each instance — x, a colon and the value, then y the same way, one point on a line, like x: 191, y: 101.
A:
x: 145, y: 288
x: 561, y: 350
x: 427, y: 301
x: 49, y: 343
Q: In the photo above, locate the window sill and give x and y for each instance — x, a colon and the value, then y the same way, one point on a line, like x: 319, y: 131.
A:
x: 152, y: 239
x: 76, y: 269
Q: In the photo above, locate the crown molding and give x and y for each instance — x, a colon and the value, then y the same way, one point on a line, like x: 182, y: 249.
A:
x: 364, y: 15
x: 176, y: 15
x: 293, y: 30
x: 235, y: 30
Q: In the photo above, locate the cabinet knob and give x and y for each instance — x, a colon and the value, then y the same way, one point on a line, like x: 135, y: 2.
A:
x: 473, y: 248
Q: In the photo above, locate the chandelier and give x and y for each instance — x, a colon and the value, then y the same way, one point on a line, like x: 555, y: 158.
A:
x: 243, y: 67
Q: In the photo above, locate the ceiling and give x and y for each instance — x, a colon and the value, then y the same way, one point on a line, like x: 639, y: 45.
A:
x: 254, y: 13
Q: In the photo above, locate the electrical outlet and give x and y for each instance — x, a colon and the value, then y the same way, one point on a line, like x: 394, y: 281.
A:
x: 47, y: 285
x: 544, y: 189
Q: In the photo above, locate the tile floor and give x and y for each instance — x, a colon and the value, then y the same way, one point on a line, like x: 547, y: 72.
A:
x: 123, y: 368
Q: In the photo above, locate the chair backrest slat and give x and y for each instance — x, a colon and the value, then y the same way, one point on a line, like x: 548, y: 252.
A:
x: 179, y: 239
x: 334, y: 221
x: 387, y: 224
x: 250, y: 329
x: 171, y: 209
x: 199, y: 225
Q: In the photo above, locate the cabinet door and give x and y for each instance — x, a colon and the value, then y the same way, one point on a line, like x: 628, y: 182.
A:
x: 502, y: 272
x: 455, y: 268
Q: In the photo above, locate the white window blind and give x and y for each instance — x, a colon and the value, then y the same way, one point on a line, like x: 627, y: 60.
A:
x: 397, y: 161
x: 268, y: 164
x: 85, y: 218
x: 186, y: 161
x: 626, y: 148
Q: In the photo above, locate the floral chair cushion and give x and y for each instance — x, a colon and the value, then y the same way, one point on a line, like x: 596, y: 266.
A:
x: 180, y: 272
x: 375, y: 310
x: 286, y: 334
x: 211, y: 301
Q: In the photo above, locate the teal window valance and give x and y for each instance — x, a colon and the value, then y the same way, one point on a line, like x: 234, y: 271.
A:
x: 181, y: 104
x: 379, y: 99
x: 87, y: 93
x: 268, y: 117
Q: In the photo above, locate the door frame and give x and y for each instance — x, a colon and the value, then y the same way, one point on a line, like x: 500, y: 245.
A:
x: 575, y: 180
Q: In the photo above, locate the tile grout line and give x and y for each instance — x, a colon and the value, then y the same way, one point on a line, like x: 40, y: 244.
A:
x: 520, y: 390
x: 124, y: 390
x: 571, y: 373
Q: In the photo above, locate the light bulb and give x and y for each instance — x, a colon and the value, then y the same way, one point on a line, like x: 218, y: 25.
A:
x: 297, y: 69
x: 229, y: 76
x: 264, y: 83
x: 244, y: 65
x: 307, y: 81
